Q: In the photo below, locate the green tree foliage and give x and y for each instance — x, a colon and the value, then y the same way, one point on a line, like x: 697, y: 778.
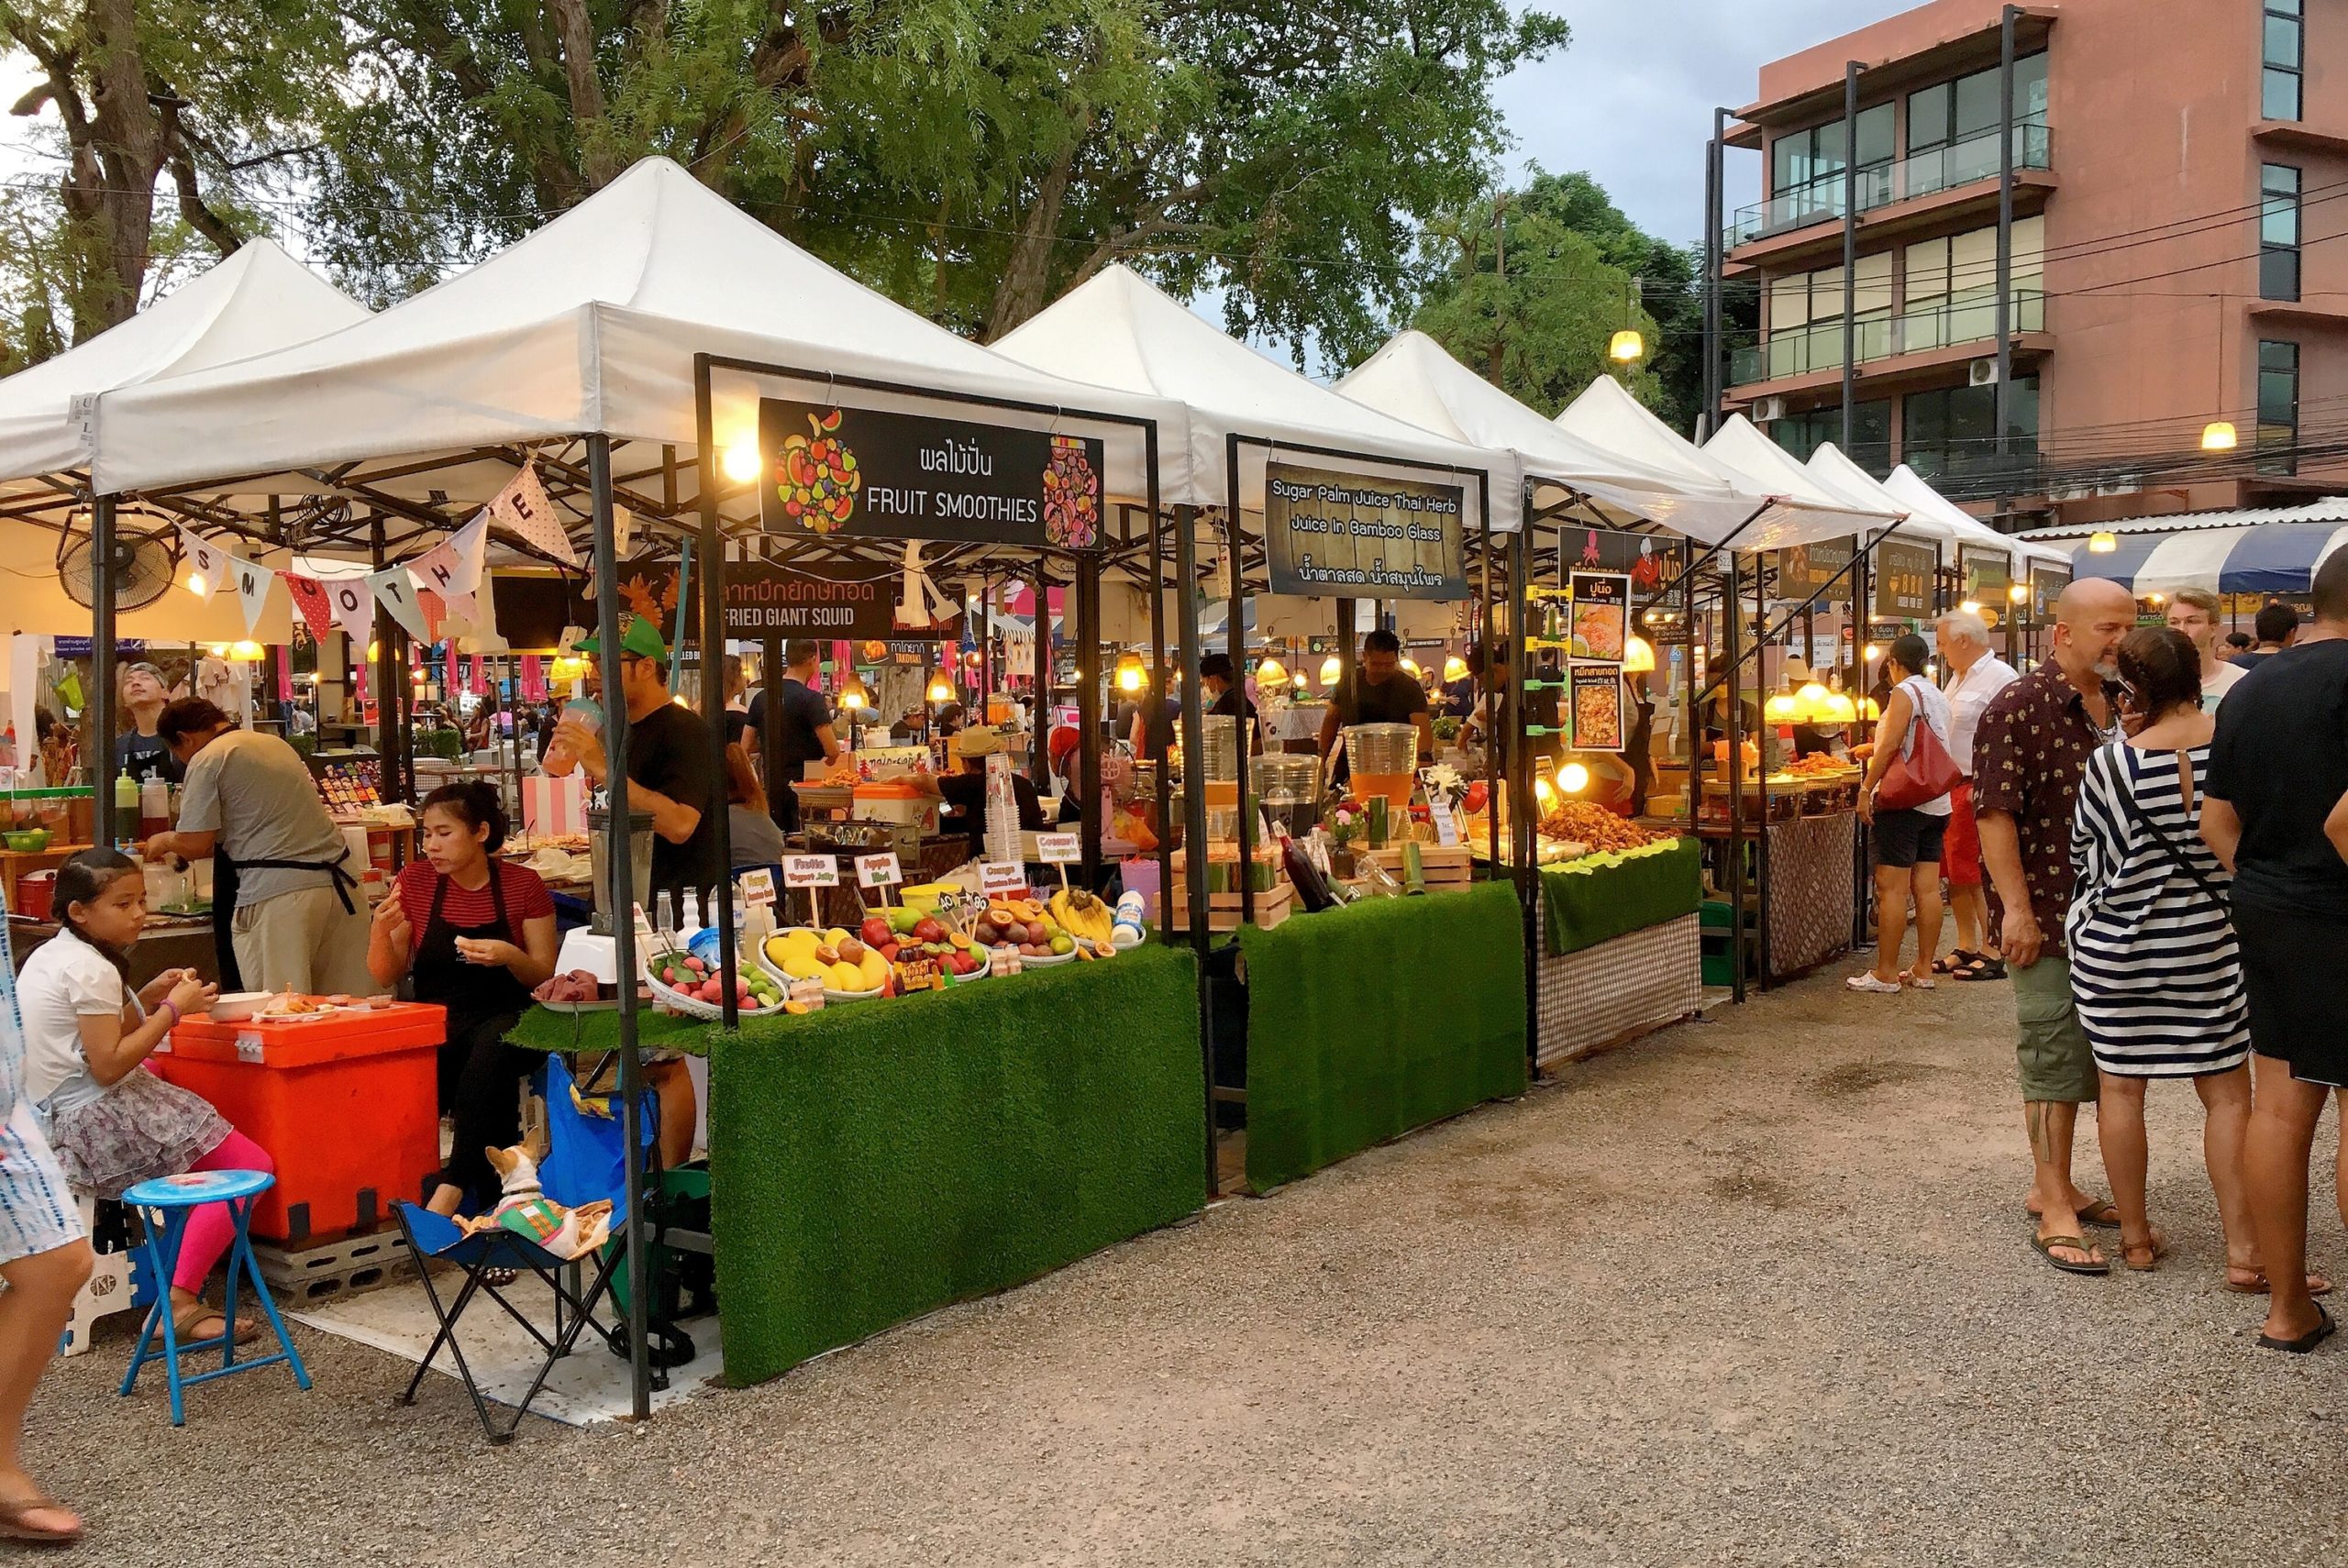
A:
x: 974, y: 158
x: 214, y: 98
x: 1533, y: 300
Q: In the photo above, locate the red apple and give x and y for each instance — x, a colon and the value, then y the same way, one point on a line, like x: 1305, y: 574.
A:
x: 876, y: 932
x: 928, y: 929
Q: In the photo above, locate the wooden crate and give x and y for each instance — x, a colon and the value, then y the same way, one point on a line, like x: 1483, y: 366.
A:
x: 1272, y: 906
x: 1443, y: 866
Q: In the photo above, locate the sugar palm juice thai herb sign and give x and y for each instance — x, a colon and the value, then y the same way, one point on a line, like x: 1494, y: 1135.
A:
x: 904, y: 476
x: 1340, y: 535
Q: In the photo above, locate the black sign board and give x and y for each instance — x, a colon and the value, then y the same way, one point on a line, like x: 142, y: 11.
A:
x: 1652, y: 563
x: 1345, y: 535
x: 1985, y: 573
x: 848, y: 601
x: 2047, y: 585
x: 1904, y: 577
x: 1805, y: 571
x: 904, y: 476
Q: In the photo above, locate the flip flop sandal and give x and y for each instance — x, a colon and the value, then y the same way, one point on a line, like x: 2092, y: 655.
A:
x: 1950, y: 962
x: 183, y: 1325
x: 2045, y: 1246
x: 14, y: 1528
x: 2317, y: 1284
x: 2100, y: 1212
x: 1983, y: 967
x: 2323, y: 1329
x: 2154, y: 1250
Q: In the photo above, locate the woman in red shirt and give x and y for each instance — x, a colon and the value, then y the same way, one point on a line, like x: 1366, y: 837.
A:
x: 478, y: 935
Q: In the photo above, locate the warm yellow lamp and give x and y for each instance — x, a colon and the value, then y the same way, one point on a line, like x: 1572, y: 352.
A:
x: 2219, y: 435
x: 1454, y: 668
x: 247, y: 651
x: 1627, y: 346
x: 1638, y: 656
x: 1411, y: 668
x: 1271, y: 673
x: 196, y: 585
x: 218, y: 650
x: 1329, y: 669
x: 1542, y: 790
x: 2102, y: 542
x: 1781, y: 708
x: 1573, y: 776
x: 852, y: 692
x: 1131, y: 675
x: 2017, y: 593
x: 940, y: 688
x: 1971, y: 607
x: 742, y: 461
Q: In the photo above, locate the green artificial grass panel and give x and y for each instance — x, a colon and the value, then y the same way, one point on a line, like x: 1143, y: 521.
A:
x: 1368, y: 1020
x: 1604, y: 896
x: 543, y: 1029
x: 879, y: 1160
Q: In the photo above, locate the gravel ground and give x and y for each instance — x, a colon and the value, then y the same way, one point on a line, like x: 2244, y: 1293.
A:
x: 1753, y: 1291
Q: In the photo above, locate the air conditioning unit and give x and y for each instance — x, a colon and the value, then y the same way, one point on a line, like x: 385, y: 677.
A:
x: 1766, y: 409
x: 1981, y: 373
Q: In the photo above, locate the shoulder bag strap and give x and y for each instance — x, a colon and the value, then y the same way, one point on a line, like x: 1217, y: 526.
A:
x: 2128, y: 803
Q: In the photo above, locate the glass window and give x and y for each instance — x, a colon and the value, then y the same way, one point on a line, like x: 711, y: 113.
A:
x: 1951, y: 111
x: 1977, y: 104
x: 2278, y: 232
x: 2278, y: 406
x: 1928, y: 117
x: 1802, y: 433
x: 1875, y: 136
x: 1953, y: 431
x: 2282, y: 53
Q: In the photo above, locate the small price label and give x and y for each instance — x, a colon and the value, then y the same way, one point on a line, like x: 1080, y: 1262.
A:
x: 1058, y: 848
x: 880, y: 870
x: 1447, y: 827
x: 995, y: 878
x: 757, y: 887
x: 810, y: 871
x: 643, y: 924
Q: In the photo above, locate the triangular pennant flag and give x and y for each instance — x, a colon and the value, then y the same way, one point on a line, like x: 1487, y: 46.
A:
x: 310, y: 599
x: 394, y: 591
x: 439, y: 568
x: 623, y: 528
x: 523, y: 506
x: 458, y: 610
x: 253, y: 588
x: 469, y: 545
x: 434, y: 609
x: 206, y: 566
x: 354, y: 607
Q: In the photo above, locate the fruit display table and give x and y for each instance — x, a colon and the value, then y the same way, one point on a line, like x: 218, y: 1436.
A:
x: 874, y: 1160
x: 1365, y: 1022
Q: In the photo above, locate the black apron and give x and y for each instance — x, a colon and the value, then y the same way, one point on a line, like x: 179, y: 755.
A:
x: 224, y: 901
x: 476, y: 995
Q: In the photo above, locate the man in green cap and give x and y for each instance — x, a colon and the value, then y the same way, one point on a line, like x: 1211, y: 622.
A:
x: 671, y: 762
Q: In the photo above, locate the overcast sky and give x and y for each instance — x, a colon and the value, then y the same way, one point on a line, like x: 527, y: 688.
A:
x: 1632, y: 100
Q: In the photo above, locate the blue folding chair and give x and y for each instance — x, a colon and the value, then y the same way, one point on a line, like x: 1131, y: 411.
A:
x: 585, y: 1163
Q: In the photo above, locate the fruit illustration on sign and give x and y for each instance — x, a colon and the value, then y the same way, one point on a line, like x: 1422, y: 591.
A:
x: 817, y: 476
x: 1071, y: 496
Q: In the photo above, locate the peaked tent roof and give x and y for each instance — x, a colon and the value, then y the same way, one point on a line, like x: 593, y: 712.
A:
x: 588, y: 326
x: 1118, y: 330
x: 1766, y: 466
x: 1416, y: 380
x: 252, y: 301
x: 1910, y: 487
x: 1832, y: 467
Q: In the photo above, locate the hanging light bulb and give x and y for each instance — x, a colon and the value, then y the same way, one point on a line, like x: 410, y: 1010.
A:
x: 2017, y: 592
x: 1132, y: 676
x: 218, y: 650
x: 247, y: 651
x: 196, y: 585
x: 1627, y: 346
x: 2219, y: 435
x: 852, y: 692
x: 1573, y: 776
x: 743, y: 461
x: 940, y: 688
x: 1780, y: 708
x: 1454, y: 668
x: 1271, y: 673
x: 1411, y: 666
x: 1872, y: 652
x: 2102, y: 542
x: 1329, y: 670
x: 1638, y: 656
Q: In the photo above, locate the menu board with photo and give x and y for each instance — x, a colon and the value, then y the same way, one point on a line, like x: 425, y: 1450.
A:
x: 1985, y: 573
x: 1904, y: 575
x: 2047, y: 585
x: 1595, y: 691
x: 1602, y: 616
x: 1805, y: 571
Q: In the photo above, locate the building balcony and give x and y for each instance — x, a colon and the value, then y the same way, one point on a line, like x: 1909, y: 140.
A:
x: 1942, y: 177
x: 1816, y: 350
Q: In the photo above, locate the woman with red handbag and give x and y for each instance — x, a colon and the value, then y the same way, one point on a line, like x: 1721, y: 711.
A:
x: 1906, y: 799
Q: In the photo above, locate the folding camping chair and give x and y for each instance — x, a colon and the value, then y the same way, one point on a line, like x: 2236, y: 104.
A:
x: 585, y: 1163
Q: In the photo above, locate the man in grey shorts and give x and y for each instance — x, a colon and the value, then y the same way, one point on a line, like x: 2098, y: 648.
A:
x: 2033, y: 743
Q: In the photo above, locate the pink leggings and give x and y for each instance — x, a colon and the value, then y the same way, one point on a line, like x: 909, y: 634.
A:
x: 209, y: 1229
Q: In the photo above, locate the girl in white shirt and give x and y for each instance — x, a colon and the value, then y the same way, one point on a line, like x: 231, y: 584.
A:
x: 86, y: 1039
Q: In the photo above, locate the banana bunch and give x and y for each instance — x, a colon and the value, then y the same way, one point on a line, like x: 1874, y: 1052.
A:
x: 1080, y: 914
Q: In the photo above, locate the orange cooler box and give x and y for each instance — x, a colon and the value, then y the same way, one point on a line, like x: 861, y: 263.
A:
x: 347, y: 1107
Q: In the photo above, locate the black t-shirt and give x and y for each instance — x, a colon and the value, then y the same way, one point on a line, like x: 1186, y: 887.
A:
x: 146, y: 757
x: 966, y: 806
x: 669, y: 750
x: 1396, y: 702
x: 2280, y: 759
x: 1159, y: 714
x: 1235, y: 702
x: 737, y: 724
x: 803, y: 713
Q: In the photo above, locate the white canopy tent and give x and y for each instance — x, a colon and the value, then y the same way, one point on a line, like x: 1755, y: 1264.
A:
x: 588, y: 325
x: 1839, y: 474
x: 1798, y: 512
x: 1118, y: 331
x: 1414, y: 379
x: 1910, y: 488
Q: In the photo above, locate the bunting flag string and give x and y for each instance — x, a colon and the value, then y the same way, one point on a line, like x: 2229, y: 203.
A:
x: 310, y: 599
x: 207, y: 567
x: 252, y: 589
x: 354, y: 607
x: 395, y: 592
x: 523, y: 507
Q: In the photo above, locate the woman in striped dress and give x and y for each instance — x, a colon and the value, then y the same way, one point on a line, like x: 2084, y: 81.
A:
x: 2153, y: 964
x: 45, y: 1258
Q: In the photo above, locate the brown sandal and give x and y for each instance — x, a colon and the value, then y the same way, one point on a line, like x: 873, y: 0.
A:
x: 2153, y: 1251
x: 2261, y: 1286
x: 14, y: 1528
x: 184, y: 1324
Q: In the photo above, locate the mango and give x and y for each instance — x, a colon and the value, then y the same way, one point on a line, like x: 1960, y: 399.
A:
x: 847, y: 977
x: 874, y: 969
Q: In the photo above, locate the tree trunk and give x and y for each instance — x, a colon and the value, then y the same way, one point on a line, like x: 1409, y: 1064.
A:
x: 576, y: 31
x: 1027, y: 274
x: 109, y: 191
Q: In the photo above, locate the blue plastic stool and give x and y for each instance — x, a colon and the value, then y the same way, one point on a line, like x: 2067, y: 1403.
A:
x: 163, y: 1205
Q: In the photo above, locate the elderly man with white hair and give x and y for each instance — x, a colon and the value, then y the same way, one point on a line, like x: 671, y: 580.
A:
x: 1975, y: 674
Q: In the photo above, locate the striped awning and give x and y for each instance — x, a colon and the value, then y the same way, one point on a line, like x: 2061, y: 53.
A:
x: 2266, y: 557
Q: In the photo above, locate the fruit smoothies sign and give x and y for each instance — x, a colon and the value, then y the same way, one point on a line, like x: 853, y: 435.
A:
x: 1331, y: 534
x: 1903, y: 580
x: 906, y: 476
